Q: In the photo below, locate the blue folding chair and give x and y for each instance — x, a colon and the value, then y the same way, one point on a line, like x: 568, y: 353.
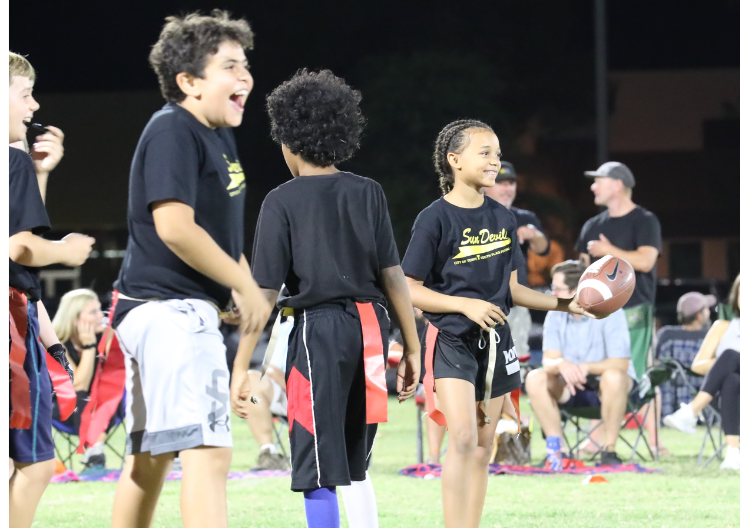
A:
x: 64, y: 433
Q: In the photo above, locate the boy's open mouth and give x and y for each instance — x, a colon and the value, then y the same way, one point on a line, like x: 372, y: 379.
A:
x: 239, y: 99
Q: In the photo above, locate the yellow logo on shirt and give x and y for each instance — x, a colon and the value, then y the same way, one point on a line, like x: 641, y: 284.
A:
x: 236, y: 174
x: 482, y: 246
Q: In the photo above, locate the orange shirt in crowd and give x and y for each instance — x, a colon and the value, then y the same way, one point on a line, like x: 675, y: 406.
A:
x: 538, y: 266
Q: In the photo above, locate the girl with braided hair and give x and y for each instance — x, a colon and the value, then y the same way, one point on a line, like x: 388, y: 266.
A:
x: 460, y: 266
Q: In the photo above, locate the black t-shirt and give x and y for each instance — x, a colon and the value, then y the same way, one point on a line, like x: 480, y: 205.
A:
x: 26, y: 213
x: 637, y: 228
x: 179, y: 158
x: 524, y: 217
x: 326, y: 237
x: 464, y: 253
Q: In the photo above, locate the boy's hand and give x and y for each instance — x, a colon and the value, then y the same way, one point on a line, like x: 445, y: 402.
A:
x: 241, y: 389
x: 233, y: 317
x: 254, y: 313
x: 78, y: 248
x: 407, y: 375
x: 485, y: 314
x: 48, y: 150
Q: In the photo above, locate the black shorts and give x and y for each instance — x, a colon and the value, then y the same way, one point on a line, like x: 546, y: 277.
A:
x: 330, y: 441
x: 466, y: 357
x: 589, y: 396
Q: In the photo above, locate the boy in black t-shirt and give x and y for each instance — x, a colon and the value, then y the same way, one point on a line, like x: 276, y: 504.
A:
x: 327, y: 235
x: 30, y: 443
x: 184, y: 262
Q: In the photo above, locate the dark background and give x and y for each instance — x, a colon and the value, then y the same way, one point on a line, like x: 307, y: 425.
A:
x: 419, y: 66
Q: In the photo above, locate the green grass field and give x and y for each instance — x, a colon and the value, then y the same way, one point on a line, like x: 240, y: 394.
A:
x: 682, y: 496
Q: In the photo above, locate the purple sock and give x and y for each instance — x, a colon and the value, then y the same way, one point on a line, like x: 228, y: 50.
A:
x: 322, y: 508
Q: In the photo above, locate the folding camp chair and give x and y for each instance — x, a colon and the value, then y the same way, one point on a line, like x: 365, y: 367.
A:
x: 654, y: 376
x: 712, y: 419
x: 420, y: 401
x: 710, y: 416
x: 279, y: 426
x: 65, y: 446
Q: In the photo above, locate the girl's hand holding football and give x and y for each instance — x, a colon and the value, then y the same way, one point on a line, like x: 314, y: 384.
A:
x: 485, y: 314
x: 575, y: 308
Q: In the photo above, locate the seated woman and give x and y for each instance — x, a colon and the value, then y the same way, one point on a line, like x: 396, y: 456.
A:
x: 78, y: 323
x: 719, y: 359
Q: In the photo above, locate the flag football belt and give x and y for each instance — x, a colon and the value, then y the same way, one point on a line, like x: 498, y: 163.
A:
x: 376, y: 390
x: 20, y: 385
x: 430, y: 345
x: 221, y: 313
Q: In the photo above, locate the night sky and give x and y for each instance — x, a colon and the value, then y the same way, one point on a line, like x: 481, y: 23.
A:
x: 419, y: 65
x: 92, y: 46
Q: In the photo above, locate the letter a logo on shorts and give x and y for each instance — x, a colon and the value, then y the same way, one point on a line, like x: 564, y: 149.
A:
x: 220, y: 406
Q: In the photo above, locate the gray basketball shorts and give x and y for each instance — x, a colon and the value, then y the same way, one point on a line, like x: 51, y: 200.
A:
x: 177, y: 381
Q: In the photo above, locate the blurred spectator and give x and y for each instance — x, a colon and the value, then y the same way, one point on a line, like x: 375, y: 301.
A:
x: 529, y: 232
x: 272, y: 400
x: 682, y: 342
x: 539, y: 266
x: 78, y: 324
x: 586, y: 364
x: 719, y: 359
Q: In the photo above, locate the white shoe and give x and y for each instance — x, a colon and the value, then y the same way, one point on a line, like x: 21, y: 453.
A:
x: 732, y: 459
x: 683, y: 419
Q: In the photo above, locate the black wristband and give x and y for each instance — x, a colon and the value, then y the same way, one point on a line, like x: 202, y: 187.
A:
x: 85, y: 347
x: 54, y: 348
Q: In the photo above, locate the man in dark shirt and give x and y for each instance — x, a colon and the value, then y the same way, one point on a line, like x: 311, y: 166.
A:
x: 630, y: 232
x: 184, y: 263
x: 529, y: 233
x: 327, y: 236
x: 633, y: 233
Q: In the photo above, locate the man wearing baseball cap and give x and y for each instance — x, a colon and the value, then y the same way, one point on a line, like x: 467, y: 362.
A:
x: 633, y: 233
x: 529, y: 232
x: 682, y: 343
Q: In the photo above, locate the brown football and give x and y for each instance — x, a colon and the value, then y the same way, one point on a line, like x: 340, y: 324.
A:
x: 606, y: 285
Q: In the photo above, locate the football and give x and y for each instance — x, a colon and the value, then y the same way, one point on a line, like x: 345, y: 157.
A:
x: 606, y: 285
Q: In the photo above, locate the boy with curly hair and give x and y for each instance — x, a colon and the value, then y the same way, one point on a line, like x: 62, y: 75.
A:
x: 327, y: 236
x: 184, y: 264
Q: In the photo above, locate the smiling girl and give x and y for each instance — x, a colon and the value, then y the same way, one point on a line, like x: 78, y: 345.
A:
x: 461, y: 267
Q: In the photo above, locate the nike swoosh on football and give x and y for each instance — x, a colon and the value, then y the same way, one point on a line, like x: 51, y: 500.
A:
x: 613, y: 275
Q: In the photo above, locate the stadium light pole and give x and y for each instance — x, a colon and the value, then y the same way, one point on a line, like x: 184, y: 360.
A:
x: 602, y: 88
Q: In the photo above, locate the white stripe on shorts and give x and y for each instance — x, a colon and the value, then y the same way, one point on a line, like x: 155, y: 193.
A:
x: 313, y: 414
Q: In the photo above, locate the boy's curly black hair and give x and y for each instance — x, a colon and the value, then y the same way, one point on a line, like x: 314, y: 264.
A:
x: 452, y: 138
x: 317, y: 116
x: 186, y: 42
